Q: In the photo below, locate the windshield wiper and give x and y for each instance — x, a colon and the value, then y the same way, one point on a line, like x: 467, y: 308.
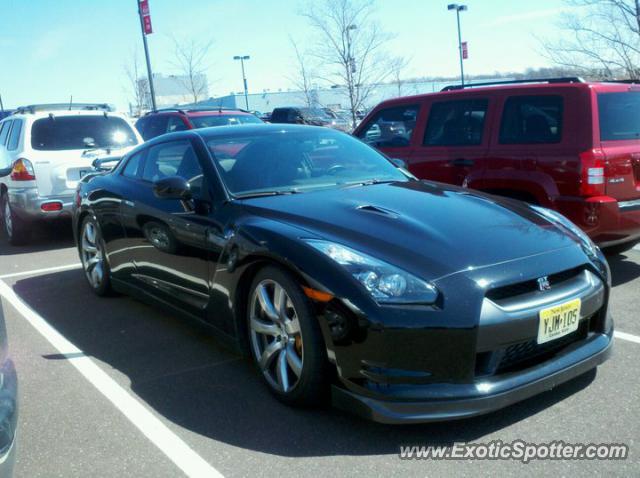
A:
x: 259, y: 194
x: 369, y: 182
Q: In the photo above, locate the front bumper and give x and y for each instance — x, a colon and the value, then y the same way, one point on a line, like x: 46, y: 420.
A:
x: 27, y: 204
x: 456, y: 401
x: 474, y: 352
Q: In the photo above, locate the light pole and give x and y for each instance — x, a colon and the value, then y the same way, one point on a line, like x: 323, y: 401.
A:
x: 458, y: 9
x: 244, y: 78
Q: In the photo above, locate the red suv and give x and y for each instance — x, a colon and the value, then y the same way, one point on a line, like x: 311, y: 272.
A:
x: 561, y: 143
x: 170, y: 120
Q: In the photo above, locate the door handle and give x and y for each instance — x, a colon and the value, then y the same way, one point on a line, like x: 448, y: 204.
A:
x: 462, y: 162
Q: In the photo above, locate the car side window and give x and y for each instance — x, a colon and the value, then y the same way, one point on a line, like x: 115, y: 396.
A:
x: 176, y: 158
x: 4, y: 132
x: 14, y: 136
x: 391, y: 128
x: 532, y: 120
x: 132, y: 168
x: 456, y: 123
x: 175, y: 123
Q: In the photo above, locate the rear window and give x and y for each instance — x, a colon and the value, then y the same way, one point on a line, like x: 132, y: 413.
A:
x: 223, y: 120
x: 58, y: 133
x: 619, y: 116
x: 456, y: 123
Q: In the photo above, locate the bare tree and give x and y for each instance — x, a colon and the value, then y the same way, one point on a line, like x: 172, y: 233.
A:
x: 397, y: 67
x: 602, y: 38
x: 138, y: 85
x: 191, y: 63
x: 349, y: 47
x: 304, y: 76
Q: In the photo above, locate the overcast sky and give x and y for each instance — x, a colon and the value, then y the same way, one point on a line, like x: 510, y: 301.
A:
x: 51, y: 49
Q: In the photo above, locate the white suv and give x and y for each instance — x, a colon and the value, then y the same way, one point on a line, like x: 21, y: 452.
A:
x: 45, y: 150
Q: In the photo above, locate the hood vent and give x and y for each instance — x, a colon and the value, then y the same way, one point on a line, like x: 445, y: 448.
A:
x: 377, y: 210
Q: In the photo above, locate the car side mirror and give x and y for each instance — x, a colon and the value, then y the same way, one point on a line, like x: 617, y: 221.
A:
x: 5, y: 172
x: 399, y: 163
x: 173, y: 187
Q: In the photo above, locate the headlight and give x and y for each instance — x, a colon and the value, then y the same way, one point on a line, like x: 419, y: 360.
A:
x: 587, y: 244
x: 387, y: 284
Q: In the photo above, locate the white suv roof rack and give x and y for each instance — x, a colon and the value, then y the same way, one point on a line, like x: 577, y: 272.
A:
x: 64, y: 106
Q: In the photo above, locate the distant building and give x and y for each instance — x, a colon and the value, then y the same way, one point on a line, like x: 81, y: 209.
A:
x: 335, y: 97
x: 174, y: 89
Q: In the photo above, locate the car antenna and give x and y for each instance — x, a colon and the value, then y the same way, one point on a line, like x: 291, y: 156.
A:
x: 70, y: 102
x: 1, y: 104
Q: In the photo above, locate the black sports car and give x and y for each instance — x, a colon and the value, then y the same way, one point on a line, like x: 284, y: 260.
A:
x: 341, y: 274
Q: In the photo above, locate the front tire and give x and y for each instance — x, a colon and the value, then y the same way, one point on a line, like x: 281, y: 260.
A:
x: 285, y: 339
x: 15, y: 228
x: 93, y: 256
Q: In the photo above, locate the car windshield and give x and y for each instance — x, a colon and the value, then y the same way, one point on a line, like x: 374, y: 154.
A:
x: 298, y: 161
x: 57, y: 133
x: 619, y: 116
x: 223, y: 120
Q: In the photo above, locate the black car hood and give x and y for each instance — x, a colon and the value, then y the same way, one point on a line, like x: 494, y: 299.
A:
x: 427, y: 228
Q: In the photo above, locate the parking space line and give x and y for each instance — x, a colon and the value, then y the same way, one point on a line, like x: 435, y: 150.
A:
x: 626, y: 336
x: 158, y: 433
x: 41, y: 271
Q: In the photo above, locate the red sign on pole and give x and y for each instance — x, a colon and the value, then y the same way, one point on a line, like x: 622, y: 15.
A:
x: 146, y: 20
x: 146, y: 16
x: 465, y: 50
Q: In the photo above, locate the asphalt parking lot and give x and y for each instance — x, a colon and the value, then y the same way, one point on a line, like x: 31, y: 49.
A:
x: 113, y: 387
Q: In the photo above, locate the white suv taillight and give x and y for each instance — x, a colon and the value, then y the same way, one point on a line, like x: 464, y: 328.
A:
x: 23, y: 170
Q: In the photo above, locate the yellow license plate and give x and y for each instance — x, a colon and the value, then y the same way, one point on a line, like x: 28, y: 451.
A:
x: 558, y: 321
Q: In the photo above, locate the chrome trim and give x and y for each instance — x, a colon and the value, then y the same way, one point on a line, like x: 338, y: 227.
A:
x: 632, y: 205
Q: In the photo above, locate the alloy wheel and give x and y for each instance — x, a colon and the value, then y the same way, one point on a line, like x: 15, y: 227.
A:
x: 275, y: 336
x: 92, y: 255
x: 8, y: 223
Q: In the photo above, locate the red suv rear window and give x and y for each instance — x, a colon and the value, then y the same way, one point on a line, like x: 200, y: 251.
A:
x: 619, y: 116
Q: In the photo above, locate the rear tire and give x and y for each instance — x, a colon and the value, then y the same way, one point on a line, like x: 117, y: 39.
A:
x: 620, y: 248
x: 15, y: 229
x: 285, y: 339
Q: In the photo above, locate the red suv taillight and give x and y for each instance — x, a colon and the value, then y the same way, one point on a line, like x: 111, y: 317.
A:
x: 23, y: 171
x: 593, y: 177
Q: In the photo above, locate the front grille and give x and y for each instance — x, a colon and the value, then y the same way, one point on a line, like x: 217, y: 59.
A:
x: 526, y: 354
x: 521, y: 288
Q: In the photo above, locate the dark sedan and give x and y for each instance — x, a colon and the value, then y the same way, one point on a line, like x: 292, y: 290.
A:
x: 345, y: 277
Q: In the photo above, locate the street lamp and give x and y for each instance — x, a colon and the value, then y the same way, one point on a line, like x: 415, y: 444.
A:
x: 458, y: 9
x: 244, y: 78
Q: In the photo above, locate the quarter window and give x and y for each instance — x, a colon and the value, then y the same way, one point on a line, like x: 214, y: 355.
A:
x: 456, y: 123
x: 391, y: 128
x: 4, y: 132
x: 132, y: 168
x: 14, y: 136
x: 532, y: 120
x: 176, y: 158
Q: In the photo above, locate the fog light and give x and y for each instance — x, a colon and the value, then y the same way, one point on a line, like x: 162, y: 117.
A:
x: 51, y: 206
